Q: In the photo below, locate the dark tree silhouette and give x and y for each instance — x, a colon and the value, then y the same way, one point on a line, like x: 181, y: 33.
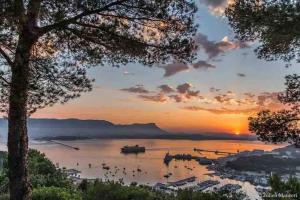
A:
x: 46, y: 47
x: 275, y: 25
x: 282, y: 125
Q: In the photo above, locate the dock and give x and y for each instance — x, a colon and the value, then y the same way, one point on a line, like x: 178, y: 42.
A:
x: 214, y: 151
x: 183, y: 181
x: 66, y: 145
x: 201, y: 160
x: 205, y: 184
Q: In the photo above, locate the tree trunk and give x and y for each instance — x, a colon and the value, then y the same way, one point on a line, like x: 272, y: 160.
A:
x: 19, y: 185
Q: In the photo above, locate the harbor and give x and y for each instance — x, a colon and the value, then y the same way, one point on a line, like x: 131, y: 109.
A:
x: 183, y: 181
x: 108, y: 163
x: 204, y: 186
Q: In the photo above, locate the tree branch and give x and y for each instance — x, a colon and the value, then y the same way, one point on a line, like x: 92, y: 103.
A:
x: 19, y: 10
x: 65, y: 22
x: 133, y: 18
x: 116, y: 35
x: 33, y: 11
x: 5, y: 81
x: 6, y: 57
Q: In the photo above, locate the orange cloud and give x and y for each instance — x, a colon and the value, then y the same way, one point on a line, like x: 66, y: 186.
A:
x: 227, y: 111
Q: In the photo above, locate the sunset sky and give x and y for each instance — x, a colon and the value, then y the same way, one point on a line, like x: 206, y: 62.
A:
x: 216, y: 93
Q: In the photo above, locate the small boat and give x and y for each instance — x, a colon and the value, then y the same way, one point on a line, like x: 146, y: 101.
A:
x: 133, y: 149
x: 167, y: 175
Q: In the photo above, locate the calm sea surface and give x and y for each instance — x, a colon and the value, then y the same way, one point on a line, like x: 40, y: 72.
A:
x: 152, y: 169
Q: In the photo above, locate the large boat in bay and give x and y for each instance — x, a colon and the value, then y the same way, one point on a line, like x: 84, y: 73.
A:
x: 133, y: 149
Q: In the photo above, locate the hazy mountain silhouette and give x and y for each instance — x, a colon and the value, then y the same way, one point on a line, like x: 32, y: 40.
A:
x: 80, y: 129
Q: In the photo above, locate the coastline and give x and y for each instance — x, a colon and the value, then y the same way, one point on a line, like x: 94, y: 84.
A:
x: 162, y: 137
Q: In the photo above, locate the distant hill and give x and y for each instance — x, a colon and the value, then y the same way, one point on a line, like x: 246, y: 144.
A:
x: 70, y: 129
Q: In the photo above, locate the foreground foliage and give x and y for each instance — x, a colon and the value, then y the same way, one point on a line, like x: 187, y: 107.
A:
x: 54, y: 193
x: 116, y: 191
x: 289, y: 190
x: 283, y: 125
x: 275, y: 25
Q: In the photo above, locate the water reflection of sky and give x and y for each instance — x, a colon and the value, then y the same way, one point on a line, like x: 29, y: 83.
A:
x: 97, y: 152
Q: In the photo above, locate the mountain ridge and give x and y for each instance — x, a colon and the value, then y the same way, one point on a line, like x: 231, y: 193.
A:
x: 72, y: 128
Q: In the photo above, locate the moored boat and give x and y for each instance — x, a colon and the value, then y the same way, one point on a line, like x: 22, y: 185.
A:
x: 133, y: 149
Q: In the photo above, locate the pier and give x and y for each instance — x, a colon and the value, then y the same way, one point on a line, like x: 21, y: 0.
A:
x: 183, y: 181
x: 201, y: 160
x: 212, y: 151
x: 66, y: 145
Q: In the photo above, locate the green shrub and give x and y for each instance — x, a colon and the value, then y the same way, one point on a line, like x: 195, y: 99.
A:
x: 116, y: 191
x: 190, y: 195
x: 290, y: 189
x: 42, y: 172
x: 54, y: 193
x: 4, y: 197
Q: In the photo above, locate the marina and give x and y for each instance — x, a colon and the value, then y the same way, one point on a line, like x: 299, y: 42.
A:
x: 230, y: 187
x: 205, y: 184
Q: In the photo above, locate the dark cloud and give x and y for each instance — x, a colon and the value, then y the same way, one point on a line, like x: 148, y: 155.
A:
x: 136, y: 89
x: 241, y: 75
x: 223, y: 98
x: 183, y: 88
x: 266, y: 98
x: 185, y: 91
x: 166, y: 88
x: 191, y: 94
x: 210, y: 47
x: 174, y: 68
x: 213, y: 89
x: 182, y: 93
x: 213, y: 49
x: 202, y: 64
x: 160, y: 97
x: 177, y: 98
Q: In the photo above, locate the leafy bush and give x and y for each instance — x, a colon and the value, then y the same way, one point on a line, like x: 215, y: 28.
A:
x: 290, y: 189
x: 190, y: 195
x: 54, y: 193
x: 116, y: 191
x: 4, y: 197
x: 43, y: 173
